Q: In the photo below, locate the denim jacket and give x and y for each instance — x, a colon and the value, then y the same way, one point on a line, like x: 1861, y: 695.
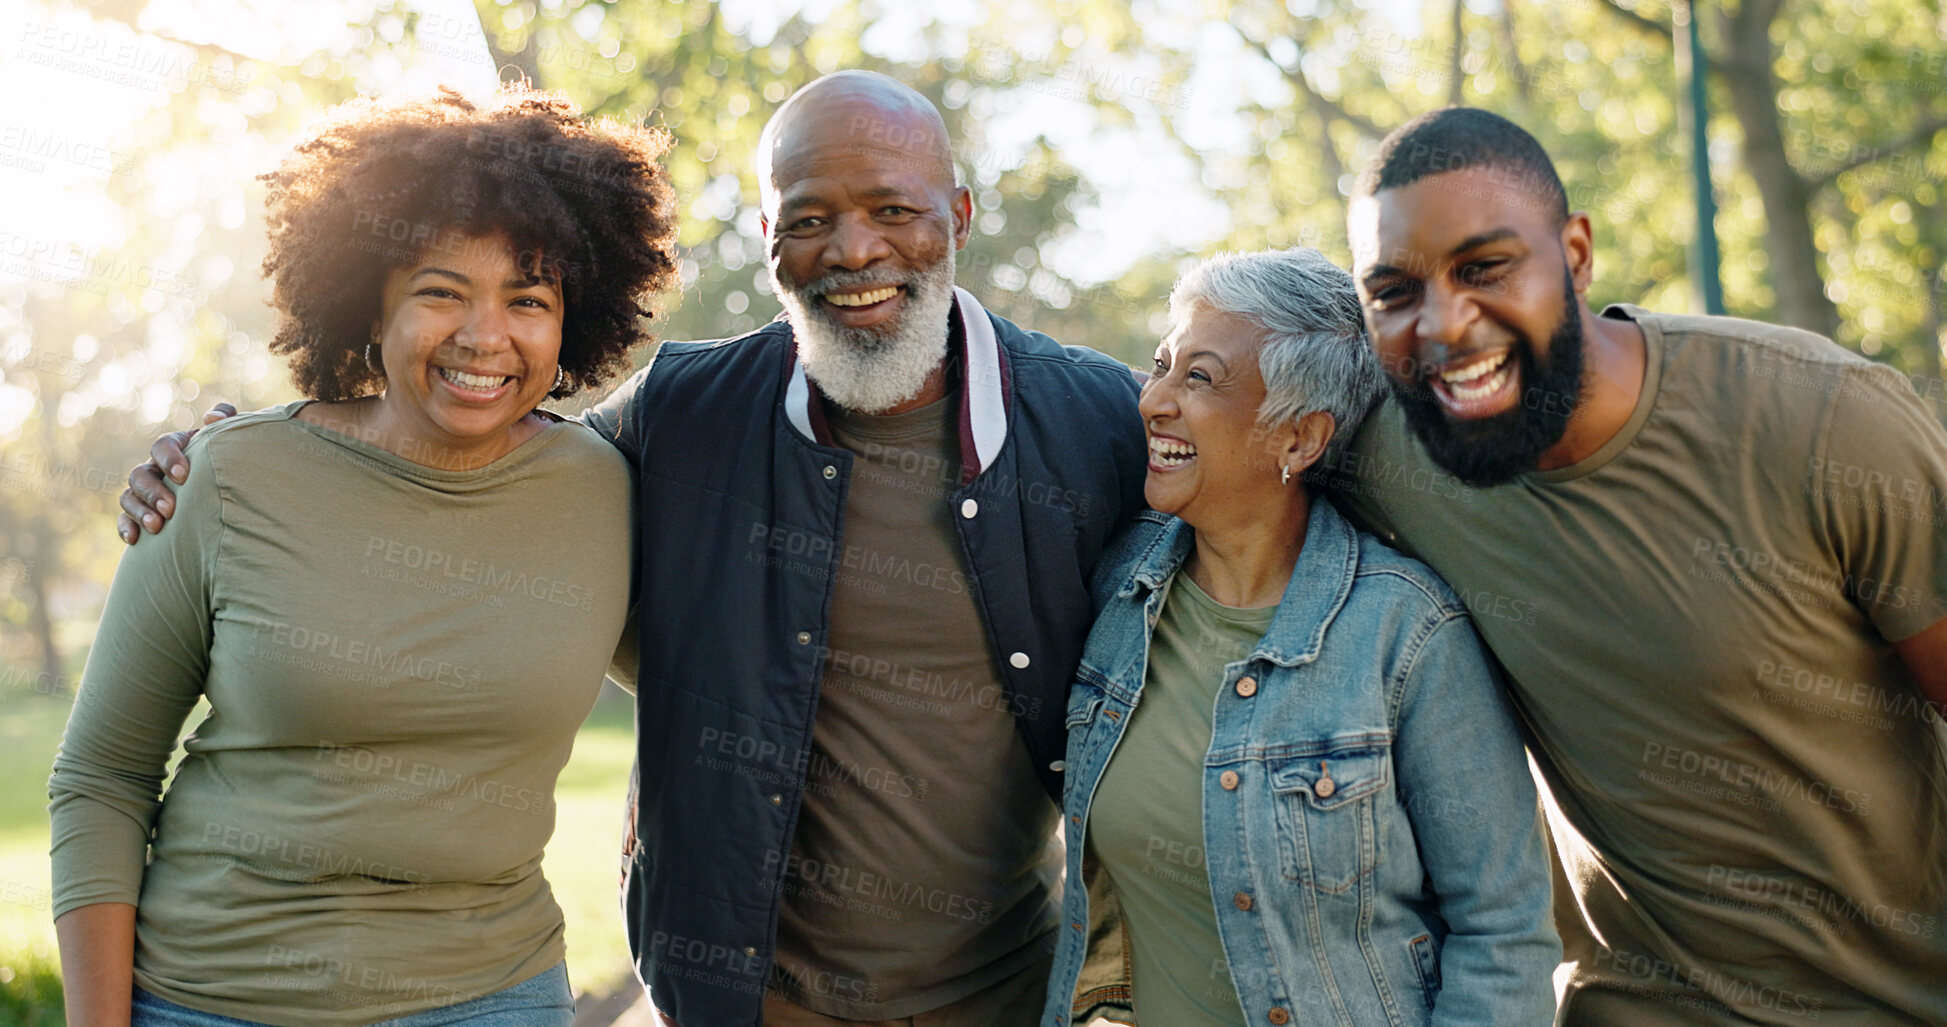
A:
x: 1370, y: 829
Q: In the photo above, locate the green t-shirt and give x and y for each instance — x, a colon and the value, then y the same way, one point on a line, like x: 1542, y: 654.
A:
x: 1747, y: 791
x: 1146, y: 821
x: 924, y: 866
x: 396, y: 660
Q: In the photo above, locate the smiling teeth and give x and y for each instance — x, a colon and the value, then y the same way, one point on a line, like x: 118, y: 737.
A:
x: 1479, y: 380
x: 1473, y: 371
x: 862, y: 299
x: 1170, y: 452
x: 476, y: 382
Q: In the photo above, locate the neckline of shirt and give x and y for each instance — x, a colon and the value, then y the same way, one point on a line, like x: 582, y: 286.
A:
x: 510, y: 461
x: 1654, y: 352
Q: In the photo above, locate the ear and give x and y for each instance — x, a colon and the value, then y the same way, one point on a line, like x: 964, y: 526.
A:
x: 1304, y: 442
x: 1578, y: 249
x: 962, y: 215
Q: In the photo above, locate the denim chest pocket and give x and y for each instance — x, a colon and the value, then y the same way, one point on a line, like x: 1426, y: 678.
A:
x: 1328, y: 833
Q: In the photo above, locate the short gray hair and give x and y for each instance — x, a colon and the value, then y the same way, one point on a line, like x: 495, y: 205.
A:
x: 1315, y: 355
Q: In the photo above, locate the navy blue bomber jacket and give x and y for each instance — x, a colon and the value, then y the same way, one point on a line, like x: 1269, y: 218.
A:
x: 740, y: 528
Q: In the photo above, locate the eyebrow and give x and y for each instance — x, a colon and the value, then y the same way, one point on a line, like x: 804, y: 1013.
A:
x: 1212, y: 354
x: 1482, y: 239
x: 1378, y: 271
x: 511, y: 283
x: 877, y: 192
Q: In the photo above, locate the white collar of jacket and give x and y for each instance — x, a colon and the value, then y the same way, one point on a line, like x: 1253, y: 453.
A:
x: 984, y: 384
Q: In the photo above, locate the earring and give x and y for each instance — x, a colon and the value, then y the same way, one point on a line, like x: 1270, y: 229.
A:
x: 1285, y: 478
x: 560, y: 378
x: 373, y: 365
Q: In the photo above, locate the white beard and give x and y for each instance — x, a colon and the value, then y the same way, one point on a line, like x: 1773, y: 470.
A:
x: 872, y: 370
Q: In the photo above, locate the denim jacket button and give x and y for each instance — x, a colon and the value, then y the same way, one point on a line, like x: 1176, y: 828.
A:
x: 1242, y: 900
x: 1247, y: 686
x: 1228, y: 779
x: 1324, y: 788
x: 1278, y: 1015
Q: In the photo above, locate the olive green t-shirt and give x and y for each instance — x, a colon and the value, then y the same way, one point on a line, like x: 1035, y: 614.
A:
x: 1746, y: 789
x: 396, y: 660
x: 1145, y: 824
x: 925, y: 861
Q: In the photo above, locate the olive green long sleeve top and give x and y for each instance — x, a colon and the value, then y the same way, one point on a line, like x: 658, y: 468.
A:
x: 396, y: 660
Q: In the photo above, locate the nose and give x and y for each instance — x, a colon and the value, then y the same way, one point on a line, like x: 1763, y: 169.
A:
x: 486, y: 328
x: 1446, y: 316
x: 855, y: 243
x: 1158, y: 400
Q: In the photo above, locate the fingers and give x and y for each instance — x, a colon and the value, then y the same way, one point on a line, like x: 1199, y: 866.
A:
x: 147, y: 499
x: 167, y: 452
x: 219, y: 412
x: 125, y: 525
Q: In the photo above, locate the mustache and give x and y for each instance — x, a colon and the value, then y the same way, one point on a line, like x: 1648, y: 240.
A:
x: 835, y: 281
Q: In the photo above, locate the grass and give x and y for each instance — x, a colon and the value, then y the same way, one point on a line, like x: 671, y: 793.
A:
x: 581, y: 863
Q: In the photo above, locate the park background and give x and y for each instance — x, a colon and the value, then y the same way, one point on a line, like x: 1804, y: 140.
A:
x: 1107, y: 143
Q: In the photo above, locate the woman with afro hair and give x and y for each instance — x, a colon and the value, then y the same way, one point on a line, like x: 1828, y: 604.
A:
x: 396, y: 596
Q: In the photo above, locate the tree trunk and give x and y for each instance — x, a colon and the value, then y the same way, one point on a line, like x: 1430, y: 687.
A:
x: 1935, y: 280
x: 1745, y: 60
x: 1455, y: 76
x: 42, y: 620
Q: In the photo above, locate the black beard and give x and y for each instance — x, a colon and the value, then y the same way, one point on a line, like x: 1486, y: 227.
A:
x: 1499, y: 449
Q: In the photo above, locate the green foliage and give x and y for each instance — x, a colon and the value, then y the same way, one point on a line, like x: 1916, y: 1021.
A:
x: 30, y: 992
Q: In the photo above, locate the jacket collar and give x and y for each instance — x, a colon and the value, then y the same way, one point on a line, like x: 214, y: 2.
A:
x: 1318, y: 589
x: 983, y: 394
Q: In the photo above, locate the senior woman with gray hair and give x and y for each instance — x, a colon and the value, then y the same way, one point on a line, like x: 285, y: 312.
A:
x: 1294, y: 790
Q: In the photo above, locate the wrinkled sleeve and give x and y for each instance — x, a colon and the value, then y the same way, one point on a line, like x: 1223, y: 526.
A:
x: 1880, y: 487
x: 1464, y: 780
x: 144, y: 674
x: 618, y: 417
x: 623, y: 663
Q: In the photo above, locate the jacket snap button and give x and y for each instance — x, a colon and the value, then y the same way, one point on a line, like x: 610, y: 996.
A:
x: 1242, y: 900
x: 1019, y: 661
x: 968, y: 508
x: 804, y: 638
x: 1229, y: 780
x: 830, y: 472
x: 1058, y: 766
x: 1247, y: 686
x: 777, y: 800
x: 1278, y: 1015
x: 1325, y: 788
x: 750, y: 950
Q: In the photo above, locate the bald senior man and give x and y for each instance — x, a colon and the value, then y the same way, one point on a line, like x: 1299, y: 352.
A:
x: 865, y: 536
x: 865, y: 539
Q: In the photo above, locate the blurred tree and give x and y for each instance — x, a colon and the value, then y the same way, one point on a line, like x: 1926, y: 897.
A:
x: 1822, y: 221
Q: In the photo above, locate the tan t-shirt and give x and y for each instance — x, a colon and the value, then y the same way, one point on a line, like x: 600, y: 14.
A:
x: 925, y: 860
x: 1748, y: 792
x: 396, y: 660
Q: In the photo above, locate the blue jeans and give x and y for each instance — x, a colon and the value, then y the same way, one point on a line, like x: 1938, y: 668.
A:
x: 540, y: 1001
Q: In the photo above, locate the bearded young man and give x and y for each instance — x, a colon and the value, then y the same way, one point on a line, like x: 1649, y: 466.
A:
x: 864, y: 538
x: 1728, y: 656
